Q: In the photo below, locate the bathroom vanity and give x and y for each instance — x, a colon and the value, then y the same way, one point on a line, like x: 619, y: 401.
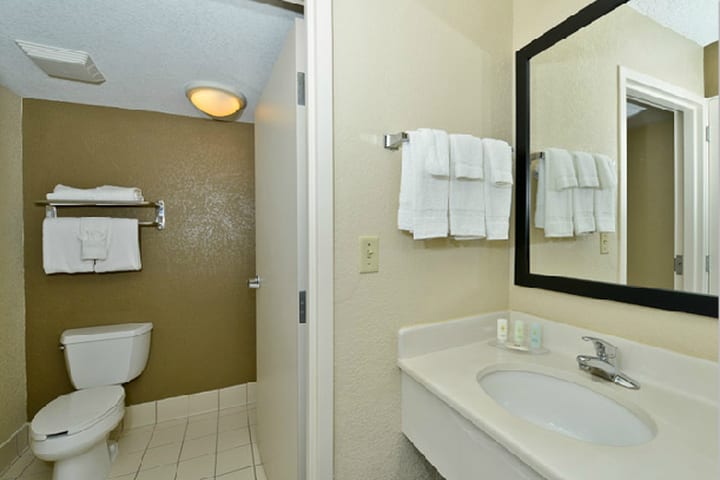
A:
x: 477, y: 411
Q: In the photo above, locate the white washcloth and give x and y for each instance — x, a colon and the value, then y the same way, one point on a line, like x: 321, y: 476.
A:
x: 94, y: 238
x: 497, y: 159
x: 124, y: 251
x: 557, y: 215
x: 604, y: 197
x: 467, y: 188
x: 61, y: 246
x: 107, y: 193
x: 583, y: 195
x: 437, y: 153
x: 540, y: 194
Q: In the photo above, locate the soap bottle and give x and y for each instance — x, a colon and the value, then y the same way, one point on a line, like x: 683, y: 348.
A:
x: 519, y: 333
x: 535, y: 336
x: 502, y: 331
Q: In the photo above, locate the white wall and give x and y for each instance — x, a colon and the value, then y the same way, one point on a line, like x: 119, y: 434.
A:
x: 401, y: 65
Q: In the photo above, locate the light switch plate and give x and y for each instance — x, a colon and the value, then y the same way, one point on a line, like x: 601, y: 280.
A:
x: 369, y: 254
x: 604, y: 243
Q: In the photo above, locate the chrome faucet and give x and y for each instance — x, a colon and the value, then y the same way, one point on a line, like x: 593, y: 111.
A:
x: 606, y: 364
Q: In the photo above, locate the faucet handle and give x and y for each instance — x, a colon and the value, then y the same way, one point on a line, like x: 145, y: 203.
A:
x: 605, y: 350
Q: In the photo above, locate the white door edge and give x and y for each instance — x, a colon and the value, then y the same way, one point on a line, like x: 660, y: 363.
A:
x: 319, y: 84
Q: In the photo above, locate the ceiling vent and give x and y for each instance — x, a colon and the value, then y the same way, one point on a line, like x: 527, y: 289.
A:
x: 62, y: 63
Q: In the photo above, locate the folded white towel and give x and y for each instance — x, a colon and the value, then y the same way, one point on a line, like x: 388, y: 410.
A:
x: 497, y: 159
x: 605, y: 196
x: 556, y: 167
x: 94, y: 238
x: 467, y: 188
x: 62, y: 247
x: 103, y: 193
x: 437, y: 152
x: 124, y: 251
x: 423, y: 209
x: 560, y: 169
x: 583, y: 195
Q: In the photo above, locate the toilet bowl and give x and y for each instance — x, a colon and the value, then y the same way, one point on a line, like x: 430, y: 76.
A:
x: 73, y: 430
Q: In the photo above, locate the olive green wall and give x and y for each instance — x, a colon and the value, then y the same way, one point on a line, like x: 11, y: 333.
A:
x: 12, y: 297
x: 192, y: 285
x: 711, y: 70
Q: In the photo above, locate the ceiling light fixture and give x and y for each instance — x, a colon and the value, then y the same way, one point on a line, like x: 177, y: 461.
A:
x: 215, y: 100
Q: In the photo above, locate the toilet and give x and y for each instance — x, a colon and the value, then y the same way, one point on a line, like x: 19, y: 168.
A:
x: 72, y: 431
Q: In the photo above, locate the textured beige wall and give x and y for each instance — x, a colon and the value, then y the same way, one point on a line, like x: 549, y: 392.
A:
x: 12, y: 291
x: 690, y: 334
x: 192, y: 285
x: 651, y: 211
x: 401, y: 65
x: 574, y: 105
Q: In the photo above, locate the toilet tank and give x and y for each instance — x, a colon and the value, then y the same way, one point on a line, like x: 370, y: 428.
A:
x: 107, y: 355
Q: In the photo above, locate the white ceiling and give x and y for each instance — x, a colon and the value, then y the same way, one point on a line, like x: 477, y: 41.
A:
x: 147, y: 49
x: 693, y: 19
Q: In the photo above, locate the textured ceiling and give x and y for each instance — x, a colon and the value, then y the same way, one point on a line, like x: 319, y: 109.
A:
x: 147, y: 50
x: 694, y: 19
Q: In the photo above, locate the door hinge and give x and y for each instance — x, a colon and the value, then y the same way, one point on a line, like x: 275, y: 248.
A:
x: 678, y: 265
x: 707, y: 263
x: 301, y: 88
x: 707, y: 133
x: 302, y: 308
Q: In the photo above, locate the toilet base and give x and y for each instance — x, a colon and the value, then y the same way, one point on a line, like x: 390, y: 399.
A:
x: 91, y: 465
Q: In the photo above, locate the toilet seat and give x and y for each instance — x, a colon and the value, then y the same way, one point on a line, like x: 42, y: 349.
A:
x: 76, y: 412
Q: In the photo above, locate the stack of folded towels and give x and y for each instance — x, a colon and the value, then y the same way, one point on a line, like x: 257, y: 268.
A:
x: 455, y: 184
x: 575, y: 193
x: 91, y: 244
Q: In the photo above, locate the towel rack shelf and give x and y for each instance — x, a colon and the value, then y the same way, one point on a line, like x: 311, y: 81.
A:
x: 51, y: 207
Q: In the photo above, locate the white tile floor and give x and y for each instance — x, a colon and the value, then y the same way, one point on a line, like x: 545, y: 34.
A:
x: 218, y: 445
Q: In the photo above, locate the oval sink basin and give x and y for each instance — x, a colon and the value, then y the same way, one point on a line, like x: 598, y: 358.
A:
x: 567, y: 408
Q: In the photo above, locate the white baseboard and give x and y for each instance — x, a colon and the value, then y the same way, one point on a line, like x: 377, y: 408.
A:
x: 184, y: 406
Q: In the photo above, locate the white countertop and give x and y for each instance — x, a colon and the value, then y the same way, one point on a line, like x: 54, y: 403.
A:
x: 446, y: 359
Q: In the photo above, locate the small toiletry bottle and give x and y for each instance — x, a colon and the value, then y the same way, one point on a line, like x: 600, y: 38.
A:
x: 519, y: 332
x: 535, y: 336
x: 502, y: 331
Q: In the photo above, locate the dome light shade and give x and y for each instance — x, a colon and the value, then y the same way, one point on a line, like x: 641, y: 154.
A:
x: 215, y: 100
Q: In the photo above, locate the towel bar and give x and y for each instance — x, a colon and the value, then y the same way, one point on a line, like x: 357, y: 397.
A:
x: 159, y: 206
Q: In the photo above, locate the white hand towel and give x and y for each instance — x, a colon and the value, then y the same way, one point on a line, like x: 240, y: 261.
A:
x: 62, y: 247
x: 605, y: 196
x: 497, y: 159
x: 94, y: 238
x: 583, y: 195
x: 104, y: 193
x: 557, y: 166
x: 124, y: 251
x: 432, y: 187
x: 467, y: 188
x: 540, y: 194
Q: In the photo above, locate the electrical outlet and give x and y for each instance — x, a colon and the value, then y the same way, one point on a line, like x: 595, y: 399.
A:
x: 369, y: 254
x: 604, y: 243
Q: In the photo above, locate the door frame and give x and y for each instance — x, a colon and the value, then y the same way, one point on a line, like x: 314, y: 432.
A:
x: 320, y: 296
x: 690, y: 145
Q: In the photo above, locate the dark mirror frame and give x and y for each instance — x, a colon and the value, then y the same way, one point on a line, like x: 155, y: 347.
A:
x: 649, y: 297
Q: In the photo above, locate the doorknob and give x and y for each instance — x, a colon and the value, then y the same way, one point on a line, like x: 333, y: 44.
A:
x: 254, y: 282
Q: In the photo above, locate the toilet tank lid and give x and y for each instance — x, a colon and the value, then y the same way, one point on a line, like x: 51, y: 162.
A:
x: 107, y: 332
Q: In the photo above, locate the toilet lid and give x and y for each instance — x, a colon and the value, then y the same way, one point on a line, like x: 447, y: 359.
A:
x: 77, y: 411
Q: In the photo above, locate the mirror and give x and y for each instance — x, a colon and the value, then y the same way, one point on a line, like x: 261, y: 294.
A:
x: 617, y: 145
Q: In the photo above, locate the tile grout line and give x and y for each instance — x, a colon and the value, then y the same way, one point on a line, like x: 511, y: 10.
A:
x: 217, y: 436
x: 182, y: 446
x: 247, y: 414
